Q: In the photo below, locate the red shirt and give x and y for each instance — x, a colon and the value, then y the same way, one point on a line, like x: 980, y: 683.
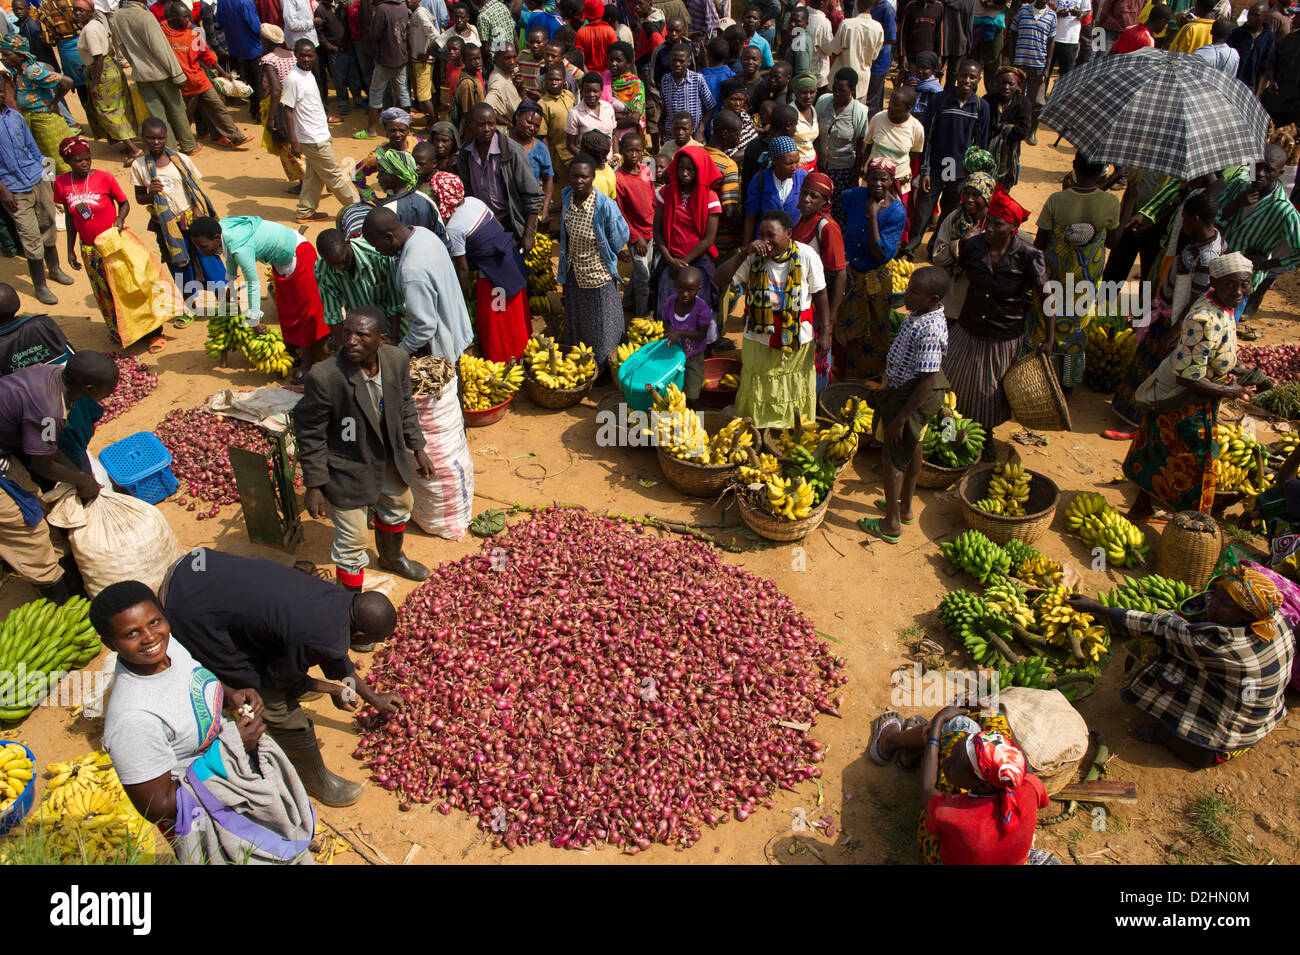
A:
x: 636, y: 200
x: 647, y: 40
x: 191, y: 52
x: 594, y: 40
x: 1133, y: 38
x: 970, y: 833
x: 95, y: 193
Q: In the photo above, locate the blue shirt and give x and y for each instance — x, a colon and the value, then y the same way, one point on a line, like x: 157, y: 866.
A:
x: 541, y: 18
x: 21, y: 163
x: 883, y: 13
x: 761, y: 195
x: 243, y: 28
x: 692, y: 96
x: 714, y: 77
x: 540, y: 158
x: 950, y: 129
x: 763, y: 46
x: 438, y: 8
x: 925, y: 91
x: 891, y: 223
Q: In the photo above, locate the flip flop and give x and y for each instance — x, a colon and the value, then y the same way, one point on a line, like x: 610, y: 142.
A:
x: 363, y: 134
x: 1116, y: 435
x: 157, y: 344
x: 887, y: 718
x: 872, y: 526
x: 881, y: 503
x: 182, y: 321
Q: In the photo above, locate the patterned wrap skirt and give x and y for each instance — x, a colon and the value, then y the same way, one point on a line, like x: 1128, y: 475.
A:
x: 976, y: 366
x: 1172, y: 456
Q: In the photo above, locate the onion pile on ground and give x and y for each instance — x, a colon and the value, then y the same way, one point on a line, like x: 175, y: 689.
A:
x: 198, y: 440
x: 134, y: 382
x: 580, y: 681
x: 1281, y: 363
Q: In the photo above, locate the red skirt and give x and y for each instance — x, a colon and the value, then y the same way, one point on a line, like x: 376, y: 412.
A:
x: 502, y: 332
x: 297, y: 301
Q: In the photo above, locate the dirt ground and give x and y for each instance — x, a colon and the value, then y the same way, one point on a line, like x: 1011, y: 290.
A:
x: 871, y: 597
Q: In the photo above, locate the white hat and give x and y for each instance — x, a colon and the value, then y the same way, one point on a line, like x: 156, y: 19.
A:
x: 1234, y: 263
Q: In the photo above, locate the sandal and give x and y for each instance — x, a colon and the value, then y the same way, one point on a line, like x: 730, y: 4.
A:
x: 878, y: 725
x: 883, y: 505
x: 872, y: 526
x: 182, y: 321
x: 363, y: 134
x: 334, y: 121
x: 1116, y: 435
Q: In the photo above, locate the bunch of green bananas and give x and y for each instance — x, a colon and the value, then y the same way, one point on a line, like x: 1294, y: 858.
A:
x: 557, y: 372
x: 1239, y: 464
x: 43, y: 637
x: 791, y: 498
x: 1031, y: 672
x: 541, y: 274
x: 857, y: 414
x: 226, y: 333
x: 1007, y: 596
x: 1151, y: 594
x: 959, y: 607
x: 1111, y: 345
x: 978, y: 556
x: 989, y: 504
x: 1019, y: 552
x: 1062, y: 625
x: 1009, y: 487
x: 1100, y: 525
x: 487, y: 384
x: 952, y: 441
x: 817, y: 471
x: 836, y: 442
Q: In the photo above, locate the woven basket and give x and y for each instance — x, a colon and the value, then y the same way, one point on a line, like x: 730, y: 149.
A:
x: 778, y: 528
x: 832, y: 399
x: 1055, y: 782
x: 770, y: 445
x: 1044, y: 496
x: 701, y: 480
x: 1189, y: 548
x: 938, y: 478
x: 548, y: 398
x: 1035, y: 395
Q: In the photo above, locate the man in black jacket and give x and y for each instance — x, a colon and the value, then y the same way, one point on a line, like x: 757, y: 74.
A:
x: 496, y: 170
x: 357, y: 433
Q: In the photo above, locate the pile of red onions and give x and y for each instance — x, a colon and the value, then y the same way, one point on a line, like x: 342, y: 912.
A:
x: 134, y: 383
x: 582, y: 682
x: 1281, y: 363
x: 198, y: 440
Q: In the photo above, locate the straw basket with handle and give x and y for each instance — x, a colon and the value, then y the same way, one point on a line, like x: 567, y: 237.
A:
x: 1035, y: 395
x: 1189, y: 548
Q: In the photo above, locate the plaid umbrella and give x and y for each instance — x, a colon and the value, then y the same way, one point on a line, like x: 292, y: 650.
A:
x: 1164, y: 112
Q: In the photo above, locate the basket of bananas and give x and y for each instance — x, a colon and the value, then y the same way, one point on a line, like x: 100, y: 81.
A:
x: 488, y: 387
x: 721, y: 381
x: 846, y: 403
x: 950, y: 447
x: 698, y: 451
x: 1006, y: 501
x: 827, y: 438
x: 17, y: 787
x: 784, y: 503
x: 554, y: 378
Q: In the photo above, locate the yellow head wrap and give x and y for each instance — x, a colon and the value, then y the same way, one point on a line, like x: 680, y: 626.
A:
x: 1254, y: 593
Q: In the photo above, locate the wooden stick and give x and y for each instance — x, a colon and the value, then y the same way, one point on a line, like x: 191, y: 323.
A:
x: 350, y: 840
x: 411, y: 853
x: 382, y: 858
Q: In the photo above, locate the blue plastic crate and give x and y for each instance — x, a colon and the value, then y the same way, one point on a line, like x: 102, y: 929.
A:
x: 21, y: 806
x: 141, y: 466
x: 656, y: 363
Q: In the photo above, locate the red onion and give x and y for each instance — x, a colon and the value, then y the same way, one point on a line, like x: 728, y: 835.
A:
x: 134, y: 382
x: 581, y: 682
x: 198, y: 441
x: 1280, y: 363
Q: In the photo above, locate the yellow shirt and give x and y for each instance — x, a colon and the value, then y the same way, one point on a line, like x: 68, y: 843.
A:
x: 1192, y: 37
x: 606, y: 181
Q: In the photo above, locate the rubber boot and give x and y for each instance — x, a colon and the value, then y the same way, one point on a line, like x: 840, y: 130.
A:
x: 303, y: 751
x: 388, y: 541
x: 57, y: 592
x: 42, y: 291
x: 52, y: 267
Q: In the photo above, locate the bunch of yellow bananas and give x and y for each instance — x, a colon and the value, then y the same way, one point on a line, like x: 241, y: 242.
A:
x: 1110, y: 349
x: 1062, y: 625
x: 643, y: 330
x: 839, y: 442
x: 729, y: 380
x: 1082, y: 507
x: 900, y: 272
x: 619, y: 355
x: 682, y: 434
x: 555, y: 372
x: 267, y: 353
x: 791, y: 500
x: 671, y: 400
x: 15, y: 773
x: 1009, y: 488
x: 950, y: 403
x: 486, y: 384
x: 1008, y: 597
x: 1240, y: 464
x: 86, y: 814
x: 541, y: 274
x: 759, y: 470
x: 1100, y: 525
x: 732, y: 444
x: 1040, y: 571
x: 859, y: 416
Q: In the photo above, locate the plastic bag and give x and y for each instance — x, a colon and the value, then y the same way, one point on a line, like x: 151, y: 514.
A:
x: 444, y: 505
x: 114, y: 537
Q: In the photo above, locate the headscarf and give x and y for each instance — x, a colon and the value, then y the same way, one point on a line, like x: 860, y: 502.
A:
x: 1234, y: 263
x: 272, y: 33
x: 731, y: 87
x: 889, y: 166
x: 352, y: 219
x: 1002, y: 206
x: 448, y: 191
x: 593, y: 10
x: 684, y: 228
x: 979, y: 160
x: 1020, y: 74
x: 809, y: 228
x: 820, y: 182
x: 629, y: 91
x: 395, y: 114
x: 985, y: 185
x: 398, y: 163
x: 447, y: 129
x: 526, y: 106
x: 804, y: 81
x: 15, y: 43
x: 781, y: 146
x: 1256, y: 594
x: 73, y: 146
x: 1000, y: 763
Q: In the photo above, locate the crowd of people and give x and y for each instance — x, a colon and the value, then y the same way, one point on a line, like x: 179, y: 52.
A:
x: 715, y: 165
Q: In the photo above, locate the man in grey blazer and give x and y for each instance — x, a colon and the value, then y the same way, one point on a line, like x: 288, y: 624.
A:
x: 357, y: 431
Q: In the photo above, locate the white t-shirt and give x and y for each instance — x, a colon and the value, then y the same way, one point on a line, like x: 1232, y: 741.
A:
x: 1068, y: 28
x: 821, y: 34
x: 303, y: 95
x: 896, y: 141
x: 158, y: 724
x: 173, y: 188
x: 463, y: 222
x: 814, y: 281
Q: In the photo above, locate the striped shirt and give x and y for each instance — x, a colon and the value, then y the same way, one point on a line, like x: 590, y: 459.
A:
x: 918, y: 348
x: 728, y: 240
x: 1032, y: 33
x: 496, y: 26
x: 1262, y: 228
x: 372, y: 281
x: 691, y: 95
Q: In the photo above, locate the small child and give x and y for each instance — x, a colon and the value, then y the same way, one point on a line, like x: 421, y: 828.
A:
x: 914, y: 394
x: 688, y: 321
x: 924, y: 81
x: 597, y: 145
x: 634, y: 181
x: 661, y: 169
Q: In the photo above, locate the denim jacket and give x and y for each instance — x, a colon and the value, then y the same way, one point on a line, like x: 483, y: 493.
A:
x: 610, y: 228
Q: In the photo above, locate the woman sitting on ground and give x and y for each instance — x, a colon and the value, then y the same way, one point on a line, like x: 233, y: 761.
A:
x: 179, y: 758
x: 1215, y: 683
x: 981, y: 801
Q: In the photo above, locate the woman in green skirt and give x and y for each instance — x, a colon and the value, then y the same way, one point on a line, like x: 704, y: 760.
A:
x: 38, y: 90
x: 110, y: 98
x: 787, y: 321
